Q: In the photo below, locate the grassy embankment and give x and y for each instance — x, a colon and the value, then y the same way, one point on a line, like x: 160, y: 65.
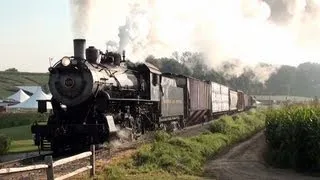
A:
x: 293, y: 136
x: 17, y: 127
x: 172, y: 157
x: 8, y: 81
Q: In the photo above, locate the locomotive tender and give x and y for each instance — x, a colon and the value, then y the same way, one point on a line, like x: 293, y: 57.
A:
x: 96, y: 95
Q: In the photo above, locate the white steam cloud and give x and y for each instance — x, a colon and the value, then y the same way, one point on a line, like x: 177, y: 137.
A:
x: 80, y: 11
x: 252, y: 31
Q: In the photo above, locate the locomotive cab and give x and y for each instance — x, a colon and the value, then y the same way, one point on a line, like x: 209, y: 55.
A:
x: 150, y: 76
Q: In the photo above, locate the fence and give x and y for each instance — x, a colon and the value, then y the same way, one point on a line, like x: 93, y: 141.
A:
x: 49, y: 166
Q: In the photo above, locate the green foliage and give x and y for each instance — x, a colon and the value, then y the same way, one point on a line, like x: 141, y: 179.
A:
x: 21, y: 138
x: 17, y: 126
x: 18, y: 133
x: 11, y: 70
x: 19, y: 146
x: 8, y: 120
x: 293, y: 136
x: 161, y: 136
x: 5, y: 143
x: 115, y: 173
x: 186, y: 156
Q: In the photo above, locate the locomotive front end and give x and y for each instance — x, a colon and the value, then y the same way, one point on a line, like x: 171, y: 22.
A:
x: 96, y: 97
x: 72, y: 80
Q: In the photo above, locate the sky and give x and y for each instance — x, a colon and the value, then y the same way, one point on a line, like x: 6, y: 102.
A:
x: 250, y: 30
x: 32, y: 31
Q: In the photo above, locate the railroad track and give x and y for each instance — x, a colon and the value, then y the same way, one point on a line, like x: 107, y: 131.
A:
x: 105, y: 152
x: 24, y: 161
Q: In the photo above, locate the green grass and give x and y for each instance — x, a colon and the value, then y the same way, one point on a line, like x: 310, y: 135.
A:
x: 17, y: 126
x: 22, y: 146
x: 21, y: 139
x: 8, y: 81
x: 8, y: 120
x: 176, y: 156
x: 18, y: 133
x: 117, y: 173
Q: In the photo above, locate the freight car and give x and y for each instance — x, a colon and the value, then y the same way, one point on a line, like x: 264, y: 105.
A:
x: 196, y: 99
x: 96, y: 96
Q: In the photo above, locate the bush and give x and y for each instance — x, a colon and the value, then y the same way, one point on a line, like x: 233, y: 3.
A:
x: 186, y: 156
x: 8, y: 120
x: 293, y: 136
x: 5, y: 143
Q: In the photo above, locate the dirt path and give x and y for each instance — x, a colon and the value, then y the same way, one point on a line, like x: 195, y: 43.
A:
x: 245, y: 161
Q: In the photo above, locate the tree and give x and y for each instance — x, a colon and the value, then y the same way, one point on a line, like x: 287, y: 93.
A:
x: 282, y: 81
x: 11, y: 70
x: 152, y: 60
x: 5, y: 143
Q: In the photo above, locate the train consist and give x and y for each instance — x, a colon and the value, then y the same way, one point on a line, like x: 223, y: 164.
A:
x: 96, y: 95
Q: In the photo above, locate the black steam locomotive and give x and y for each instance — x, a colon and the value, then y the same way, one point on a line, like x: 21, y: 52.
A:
x: 96, y: 95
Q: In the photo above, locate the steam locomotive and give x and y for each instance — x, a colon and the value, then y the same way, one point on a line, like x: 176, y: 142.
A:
x: 96, y: 95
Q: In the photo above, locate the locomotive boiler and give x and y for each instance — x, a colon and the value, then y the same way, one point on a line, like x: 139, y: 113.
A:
x: 94, y: 95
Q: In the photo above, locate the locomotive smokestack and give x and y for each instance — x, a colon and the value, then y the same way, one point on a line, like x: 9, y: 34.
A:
x: 79, y: 46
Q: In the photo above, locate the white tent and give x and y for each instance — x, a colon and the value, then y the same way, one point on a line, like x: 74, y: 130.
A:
x: 19, y: 96
x: 32, y: 102
x: 31, y: 89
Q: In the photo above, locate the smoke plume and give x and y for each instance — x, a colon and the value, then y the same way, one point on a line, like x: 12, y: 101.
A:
x: 80, y: 13
x: 251, y: 31
x: 98, y: 20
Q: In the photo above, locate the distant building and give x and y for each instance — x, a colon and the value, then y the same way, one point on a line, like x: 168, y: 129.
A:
x: 4, y: 105
x: 267, y: 100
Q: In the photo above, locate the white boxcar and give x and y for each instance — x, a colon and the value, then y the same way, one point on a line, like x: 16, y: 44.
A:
x: 224, y: 98
x: 216, y: 97
x: 233, y: 100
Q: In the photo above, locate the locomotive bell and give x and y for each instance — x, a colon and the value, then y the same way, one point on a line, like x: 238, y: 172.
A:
x: 92, y: 54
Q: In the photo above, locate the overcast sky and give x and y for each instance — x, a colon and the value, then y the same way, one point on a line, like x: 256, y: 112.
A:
x: 32, y: 31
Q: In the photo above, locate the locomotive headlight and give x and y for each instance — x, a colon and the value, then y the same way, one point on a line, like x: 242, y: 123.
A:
x: 65, y: 61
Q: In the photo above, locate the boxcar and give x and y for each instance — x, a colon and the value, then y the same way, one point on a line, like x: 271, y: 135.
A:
x: 246, y: 101
x: 251, y: 102
x: 172, y: 106
x: 197, y: 98
x: 216, y: 98
x: 225, y: 106
x: 233, y: 100
x: 241, y: 101
x: 219, y: 98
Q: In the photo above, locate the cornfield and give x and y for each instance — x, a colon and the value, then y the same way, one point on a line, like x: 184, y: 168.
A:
x: 293, y: 137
